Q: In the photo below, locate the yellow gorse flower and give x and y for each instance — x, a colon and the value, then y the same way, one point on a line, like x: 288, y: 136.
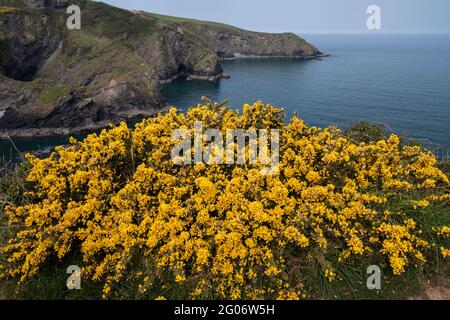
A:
x: 220, y: 230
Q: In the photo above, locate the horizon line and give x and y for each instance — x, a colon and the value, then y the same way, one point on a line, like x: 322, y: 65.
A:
x: 368, y: 33
x: 378, y: 32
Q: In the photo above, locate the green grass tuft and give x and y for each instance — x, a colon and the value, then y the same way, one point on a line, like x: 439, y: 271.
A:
x: 51, y: 95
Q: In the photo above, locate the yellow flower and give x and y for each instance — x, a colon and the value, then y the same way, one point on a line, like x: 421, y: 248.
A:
x: 442, y: 231
x: 224, y: 231
x: 330, y: 274
x: 180, y: 278
x: 445, y: 252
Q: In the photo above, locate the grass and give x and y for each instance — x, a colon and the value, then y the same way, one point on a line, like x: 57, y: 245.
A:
x: 18, y: 4
x: 51, y: 95
x: 5, y: 9
x: 180, y: 20
x: 115, y: 23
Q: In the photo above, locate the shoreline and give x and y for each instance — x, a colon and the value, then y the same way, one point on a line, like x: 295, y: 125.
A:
x: 46, y: 132
x: 250, y: 57
x: 38, y: 133
x: 190, y: 76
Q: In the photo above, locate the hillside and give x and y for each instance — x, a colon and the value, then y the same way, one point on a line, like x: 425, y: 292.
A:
x: 59, y: 81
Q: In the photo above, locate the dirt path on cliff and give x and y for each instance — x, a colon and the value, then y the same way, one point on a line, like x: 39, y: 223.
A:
x: 436, y: 290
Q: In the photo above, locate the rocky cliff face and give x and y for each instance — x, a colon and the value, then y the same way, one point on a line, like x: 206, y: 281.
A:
x: 59, y: 81
x: 229, y: 42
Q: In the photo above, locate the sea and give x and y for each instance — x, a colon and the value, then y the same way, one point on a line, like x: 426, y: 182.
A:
x: 401, y: 81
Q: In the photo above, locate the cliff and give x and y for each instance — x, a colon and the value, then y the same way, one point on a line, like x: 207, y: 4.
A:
x: 59, y: 81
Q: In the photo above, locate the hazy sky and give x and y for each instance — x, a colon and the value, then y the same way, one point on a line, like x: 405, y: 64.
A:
x: 307, y: 16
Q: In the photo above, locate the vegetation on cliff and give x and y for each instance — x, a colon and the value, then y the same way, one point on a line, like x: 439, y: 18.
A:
x: 142, y: 227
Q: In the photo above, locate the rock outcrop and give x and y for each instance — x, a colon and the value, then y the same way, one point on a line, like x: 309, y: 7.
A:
x: 59, y: 81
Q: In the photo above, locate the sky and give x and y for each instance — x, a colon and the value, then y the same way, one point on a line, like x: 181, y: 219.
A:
x: 307, y: 16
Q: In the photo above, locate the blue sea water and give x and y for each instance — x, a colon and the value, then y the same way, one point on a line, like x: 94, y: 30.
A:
x: 399, y: 80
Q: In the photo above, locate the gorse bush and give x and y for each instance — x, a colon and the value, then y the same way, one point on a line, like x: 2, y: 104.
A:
x: 223, y: 231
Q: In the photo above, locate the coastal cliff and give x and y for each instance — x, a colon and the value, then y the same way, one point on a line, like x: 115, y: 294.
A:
x: 58, y: 81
